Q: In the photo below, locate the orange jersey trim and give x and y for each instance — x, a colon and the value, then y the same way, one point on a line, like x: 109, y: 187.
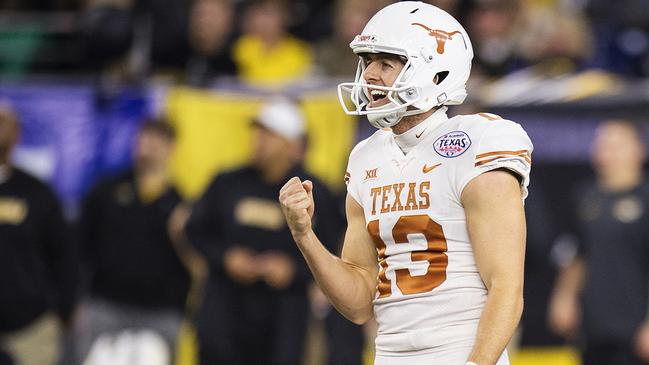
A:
x: 490, y: 117
x: 494, y: 153
x: 484, y: 162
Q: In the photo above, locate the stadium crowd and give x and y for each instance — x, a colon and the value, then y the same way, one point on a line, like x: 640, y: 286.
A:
x: 136, y: 263
x: 196, y: 40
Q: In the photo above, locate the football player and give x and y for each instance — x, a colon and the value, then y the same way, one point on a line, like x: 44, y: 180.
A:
x: 435, y: 242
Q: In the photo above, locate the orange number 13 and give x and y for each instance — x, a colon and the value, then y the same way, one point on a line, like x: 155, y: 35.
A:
x: 434, y: 254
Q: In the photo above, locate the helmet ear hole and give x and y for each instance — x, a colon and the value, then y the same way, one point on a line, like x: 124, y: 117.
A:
x: 440, y: 77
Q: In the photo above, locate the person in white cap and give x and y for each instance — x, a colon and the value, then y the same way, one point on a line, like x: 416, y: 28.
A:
x: 255, y: 305
x: 435, y: 242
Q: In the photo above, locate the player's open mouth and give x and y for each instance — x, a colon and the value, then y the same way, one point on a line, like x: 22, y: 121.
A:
x: 379, y: 97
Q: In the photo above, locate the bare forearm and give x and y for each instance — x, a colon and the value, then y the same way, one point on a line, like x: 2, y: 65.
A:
x: 346, y: 285
x: 498, y: 322
x: 571, y: 279
x: 349, y: 284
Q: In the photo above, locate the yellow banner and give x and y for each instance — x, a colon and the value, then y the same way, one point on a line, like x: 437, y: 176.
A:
x: 214, y: 133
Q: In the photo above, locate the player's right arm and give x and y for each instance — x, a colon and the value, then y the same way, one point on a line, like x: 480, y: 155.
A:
x: 349, y: 282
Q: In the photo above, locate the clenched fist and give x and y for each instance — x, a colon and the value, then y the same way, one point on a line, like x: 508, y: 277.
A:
x: 296, y: 199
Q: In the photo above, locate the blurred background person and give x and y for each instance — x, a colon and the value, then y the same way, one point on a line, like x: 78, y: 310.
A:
x: 107, y: 29
x: 126, y: 40
x: 266, y: 54
x: 255, y: 305
x: 553, y: 38
x: 332, y: 54
x: 509, y: 35
x: 311, y: 19
x: 211, y: 26
x: 603, y: 293
x: 621, y: 34
x: 492, y: 26
x: 137, y: 281
x: 38, y: 264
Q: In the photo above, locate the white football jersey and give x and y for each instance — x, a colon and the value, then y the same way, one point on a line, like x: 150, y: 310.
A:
x: 430, y: 293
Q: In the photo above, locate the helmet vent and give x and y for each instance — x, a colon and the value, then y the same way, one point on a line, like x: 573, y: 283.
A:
x: 440, y: 76
x: 414, y: 11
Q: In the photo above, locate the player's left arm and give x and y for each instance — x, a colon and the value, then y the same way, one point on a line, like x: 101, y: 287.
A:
x: 496, y: 224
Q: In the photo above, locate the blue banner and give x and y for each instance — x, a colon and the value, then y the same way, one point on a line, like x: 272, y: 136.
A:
x: 68, y: 139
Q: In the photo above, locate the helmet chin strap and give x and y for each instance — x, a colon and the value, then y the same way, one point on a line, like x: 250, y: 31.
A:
x: 389, y: 120
x: 384, y: 120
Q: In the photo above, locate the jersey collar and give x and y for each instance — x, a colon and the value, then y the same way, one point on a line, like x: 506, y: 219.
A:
x: 410, y: 138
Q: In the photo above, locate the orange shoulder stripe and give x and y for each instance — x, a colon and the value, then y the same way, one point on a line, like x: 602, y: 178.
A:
x: 494, y: 153
x: 484, y: 162
x: 490, y: 116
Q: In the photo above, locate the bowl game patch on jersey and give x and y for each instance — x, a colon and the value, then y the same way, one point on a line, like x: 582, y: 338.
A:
x: 452, y: 144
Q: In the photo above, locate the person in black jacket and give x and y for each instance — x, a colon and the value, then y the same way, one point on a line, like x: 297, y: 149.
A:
x: 137, y: 279
x: 255, y: 304
x: 211, y: 28
x: 602, y: 295
x: 37, y: 261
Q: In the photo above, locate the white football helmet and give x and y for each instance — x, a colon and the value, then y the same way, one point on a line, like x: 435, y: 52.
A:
x: 437, y: 53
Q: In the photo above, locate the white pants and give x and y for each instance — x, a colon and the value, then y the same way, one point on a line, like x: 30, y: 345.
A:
x: 445, y: 357
x: 101, y: 319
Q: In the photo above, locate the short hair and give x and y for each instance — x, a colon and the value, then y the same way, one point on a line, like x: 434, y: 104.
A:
x: 635, y: 127
x: 160, y: 126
